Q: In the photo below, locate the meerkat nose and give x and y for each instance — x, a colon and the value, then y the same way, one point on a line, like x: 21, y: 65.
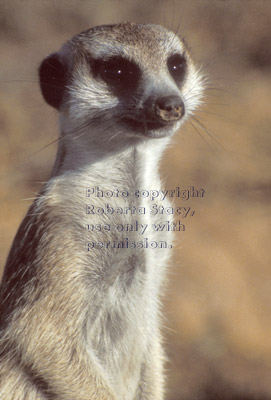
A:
x: 169, y: 108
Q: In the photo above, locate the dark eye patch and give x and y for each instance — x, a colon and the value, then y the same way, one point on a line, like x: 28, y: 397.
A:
x: 118, y: 72
x: 177, y: 67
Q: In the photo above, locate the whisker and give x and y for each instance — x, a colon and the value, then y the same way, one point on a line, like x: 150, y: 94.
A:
x: 221, y: 117
x: 57, y: 140
x: 203, y: 137
x: 19, y: 80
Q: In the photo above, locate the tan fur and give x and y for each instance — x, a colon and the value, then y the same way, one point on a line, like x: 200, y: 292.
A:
x: 78, y: 324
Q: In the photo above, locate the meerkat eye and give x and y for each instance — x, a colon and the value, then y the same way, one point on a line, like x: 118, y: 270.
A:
x: 119, y: 72
x: 177, y: 67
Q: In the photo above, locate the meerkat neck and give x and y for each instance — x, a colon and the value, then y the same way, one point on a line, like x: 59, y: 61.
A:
x: 127, y: 166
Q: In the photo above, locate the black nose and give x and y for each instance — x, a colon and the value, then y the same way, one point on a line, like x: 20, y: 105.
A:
x: 169, y: 108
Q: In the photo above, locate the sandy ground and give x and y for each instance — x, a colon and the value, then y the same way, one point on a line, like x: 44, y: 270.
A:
x: 217, y: 324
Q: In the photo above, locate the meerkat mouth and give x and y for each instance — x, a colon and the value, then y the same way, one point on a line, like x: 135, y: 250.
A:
x: 150, y: 128
x: 158, y: 117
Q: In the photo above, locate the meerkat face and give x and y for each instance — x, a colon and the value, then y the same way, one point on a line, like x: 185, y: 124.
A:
x: 123, y: 80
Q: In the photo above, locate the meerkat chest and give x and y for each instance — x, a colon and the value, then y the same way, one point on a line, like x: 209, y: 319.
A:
x: 124, y: 247
x: 131, y: 253
x: 126, y: 313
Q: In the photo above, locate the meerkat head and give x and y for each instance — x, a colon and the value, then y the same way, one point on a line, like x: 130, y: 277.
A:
x: 123, y: 80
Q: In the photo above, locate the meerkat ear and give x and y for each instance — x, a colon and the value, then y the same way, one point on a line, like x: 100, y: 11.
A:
x: 53, y: 79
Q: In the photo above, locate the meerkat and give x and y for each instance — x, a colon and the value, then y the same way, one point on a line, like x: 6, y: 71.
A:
x: 80, y: 314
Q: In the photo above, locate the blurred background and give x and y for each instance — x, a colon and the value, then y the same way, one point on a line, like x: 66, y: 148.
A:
x: 217, y: 324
